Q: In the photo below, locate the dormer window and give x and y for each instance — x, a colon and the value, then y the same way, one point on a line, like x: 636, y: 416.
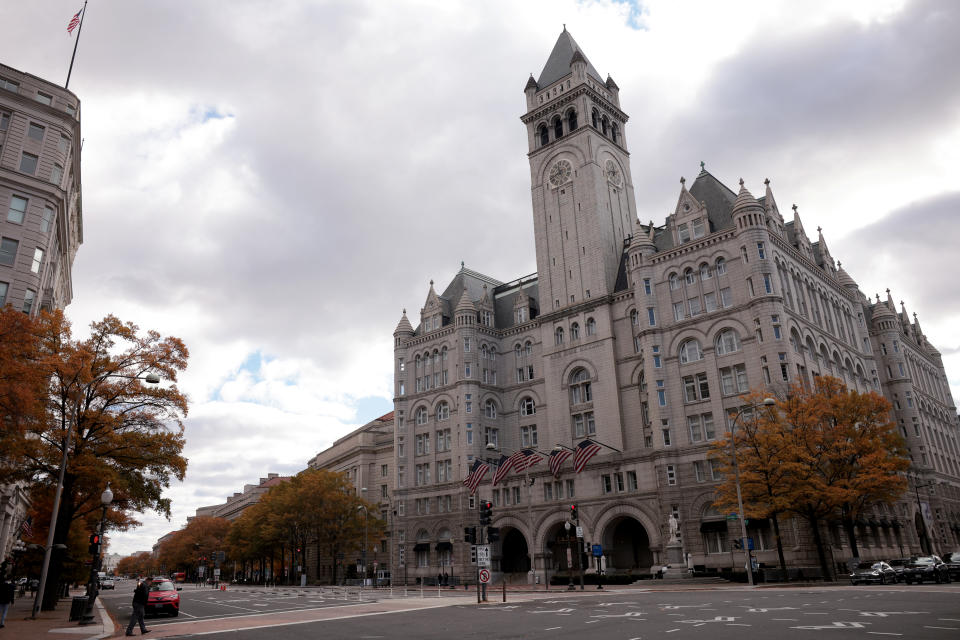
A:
x: 698, y: 228
x: 683, y: 232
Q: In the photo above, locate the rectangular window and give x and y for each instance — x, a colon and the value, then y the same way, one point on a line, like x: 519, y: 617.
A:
x: 710, y: 301
x: 741, y: 372
x: 671, y: 475
x: 694, y: 306
x: 678, y: 311
x: 35, y: 132
x: 646, y: 286
x: 698, y: 471
x: 548, y: 493
x: 698, y: 228
x: 18, y: 210
x: 631, y: 480
x: 726, y: 298
x: 726, y: 381
x: 528, y: 436
x: 37, y: 260
x: 516, y: 495
x: 651, y: 316
x: 4, y: 118
x: 570, y: 493
x: 3, y: 293
x: 708, y: 431
x: 56, y: 174
x: 693, y: 422
x: 44, y: 98
x: 767, y: 283
x: 466, y: 345
x: 466, y: 370
x: 666, y: 437
x: 605, y: 485
x: 8, y: 250
x: 618, y: 479
x: 683, y: 232
x: 64, y: 144
x: 760, y: 251
x: 467, y: 404
x: 715, y: 470
x: 28, y: 163
x: 28, y: 299
x: 661, y: 394
x: 750, y: 288
x: 9, y: 85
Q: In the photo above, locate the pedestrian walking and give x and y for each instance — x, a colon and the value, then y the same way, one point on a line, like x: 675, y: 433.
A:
x: 139, y: 604
x: 6, y: 599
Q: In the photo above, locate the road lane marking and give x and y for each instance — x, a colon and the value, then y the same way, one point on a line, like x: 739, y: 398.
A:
x: 672, y: 630
x: 555, y: 628
x: 884, y: 633
x: 948, y: 628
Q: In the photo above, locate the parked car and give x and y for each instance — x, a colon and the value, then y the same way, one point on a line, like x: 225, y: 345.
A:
x: 107, y: 583
x: 922, y: 568
x: 952, y: 559
x: 873, y: 572
x: 162, y: 597
x: 899, y: 564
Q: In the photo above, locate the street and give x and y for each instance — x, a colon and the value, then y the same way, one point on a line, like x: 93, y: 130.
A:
x: 733, y: 612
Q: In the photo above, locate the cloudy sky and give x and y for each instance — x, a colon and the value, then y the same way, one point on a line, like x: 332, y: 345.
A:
x: 274, y: 181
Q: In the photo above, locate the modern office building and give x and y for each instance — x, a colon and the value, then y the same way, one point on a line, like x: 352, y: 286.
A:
x: 641, y: 337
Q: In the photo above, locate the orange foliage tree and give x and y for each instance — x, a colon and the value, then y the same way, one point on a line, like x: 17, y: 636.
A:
x: 824, y: 452
x: 203, y: 537
x: 115, y: 428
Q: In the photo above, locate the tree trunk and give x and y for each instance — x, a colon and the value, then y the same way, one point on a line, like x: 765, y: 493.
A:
x: 818, y: 542
x: 776, y: 534
x: 851, y: 531
x: 61, y: 536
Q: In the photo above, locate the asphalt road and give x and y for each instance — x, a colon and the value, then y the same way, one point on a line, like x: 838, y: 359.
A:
x: 928, y: 612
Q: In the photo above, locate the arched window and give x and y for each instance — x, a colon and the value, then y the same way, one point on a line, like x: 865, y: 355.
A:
x: 493, y: 354
x: 674, y: 281
x: 528, y: 347
x: 557, y: 128
x: 690, y: 351
x: 615, y: 132
x: 721, y: 266
x: 443, y: 354
x: 595, y: 118
x: 591, y: 327
x: 572, y: 120
x: 705, y: 272
x: 527, y: 407
x: 483, y: 352
x: 516, y: 351
x: 419, y: 363
x: 575, y: 331
x: 490, y: 409
x: 544, y: 135
x: 603, y: 125
x: 580, y: 391
x: 558, y: 335
x: 727, y: 342
x: 436, y: 357
x: 443, y: 411
x: 634, y: 317
x: 422, y: 415
x: 689, y: 276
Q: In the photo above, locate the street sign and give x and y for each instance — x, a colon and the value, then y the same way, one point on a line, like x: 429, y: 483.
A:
x: 597, y: 550
x: 483, y: 555
x: 579, y: 531
x: 400, y: 559
x: 484, y: 576
x: 731, y: 516
x: 216, y: 573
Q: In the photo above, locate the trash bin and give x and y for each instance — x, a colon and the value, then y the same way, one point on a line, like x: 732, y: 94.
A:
x: 77, y: 606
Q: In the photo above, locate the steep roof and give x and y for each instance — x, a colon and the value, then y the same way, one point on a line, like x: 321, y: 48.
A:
x: 558, y: 64
x: 717, y: 197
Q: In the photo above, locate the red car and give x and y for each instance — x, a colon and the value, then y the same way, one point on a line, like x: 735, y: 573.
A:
x: 162, y: 597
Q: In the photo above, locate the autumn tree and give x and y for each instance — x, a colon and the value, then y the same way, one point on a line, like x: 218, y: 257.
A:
x: 139, y: 564
x: 836, y: 452
x: 203, y: 537
x: 114, y: 427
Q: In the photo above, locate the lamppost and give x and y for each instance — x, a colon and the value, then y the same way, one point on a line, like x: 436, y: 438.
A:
x: 767, y: 402
x: 150, y: 378
x: 570, y: 586
x: 363, y: 552
x: 923, y: 520
x: 93, y: 586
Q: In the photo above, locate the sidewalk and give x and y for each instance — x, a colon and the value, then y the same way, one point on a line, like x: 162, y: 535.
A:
x: 51, y: 625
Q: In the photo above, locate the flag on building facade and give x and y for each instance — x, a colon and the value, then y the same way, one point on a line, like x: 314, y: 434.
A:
x: 74, y: 21
x: 584, y: 451
x: 26, y: 528
x: 526, y: 459
x: 503, y: 467
x: 477, y: 472
x: 557, y: 458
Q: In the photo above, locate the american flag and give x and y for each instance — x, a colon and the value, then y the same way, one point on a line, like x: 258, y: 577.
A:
x: 585, y: 450
x: 476, y: 475
x: 74, y: 21
x: 26, y: 528
x: 557, y: 458
x: 527, y: 458
x: 503, y: 467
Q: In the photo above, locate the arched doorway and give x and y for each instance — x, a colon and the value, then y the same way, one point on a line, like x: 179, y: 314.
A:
x: 514, y: 553
x: 626, y: 546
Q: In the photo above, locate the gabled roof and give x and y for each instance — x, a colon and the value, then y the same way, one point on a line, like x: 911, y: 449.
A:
x: 558, y: 64
x: 717, y: 197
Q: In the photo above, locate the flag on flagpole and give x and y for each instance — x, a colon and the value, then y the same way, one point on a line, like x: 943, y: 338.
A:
x: 557, y: 458
x: 26, y: 528
x: 503, y: 467
x: 74, y: 21
x: 527, y: 458
x: 476, y: 475
x: 585, y: 450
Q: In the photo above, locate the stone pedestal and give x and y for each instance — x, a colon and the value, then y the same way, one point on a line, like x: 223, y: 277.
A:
x: 674, y: 555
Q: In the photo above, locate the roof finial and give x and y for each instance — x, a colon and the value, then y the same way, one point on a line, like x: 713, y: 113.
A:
x: 794, y: 207
x: 819, y: 229
x: 461, y: 264
x: 878, y: 297
x: 741, y: 183
x: 404, y: 311
x: 683, y: 180
x: 766, y: 181
x: 431, y: 282
x: 702, y: 166
x: 564, y: 27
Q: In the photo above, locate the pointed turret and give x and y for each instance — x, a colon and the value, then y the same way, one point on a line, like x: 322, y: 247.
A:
x: 904, y: 316
x: 643, y: 238
x: 916, y: 326
x: 531, y: 84
x: 403, y: 327
x: 770, y: 205
x: 559, y: 64
x: 465, y: 305
x: 844, y: 278
x: 745, y: 201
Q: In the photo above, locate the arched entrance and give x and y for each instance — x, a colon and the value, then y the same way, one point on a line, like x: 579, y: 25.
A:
x: 514, y: 553
x: 558, y: 544
x: 626, y: 546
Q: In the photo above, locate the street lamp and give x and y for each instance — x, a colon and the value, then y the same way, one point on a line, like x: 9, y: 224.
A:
x: 363, y: 552
x: 150, y: 378
x: 767, y: 402
x: 93, y: 586
x: 923, y: 520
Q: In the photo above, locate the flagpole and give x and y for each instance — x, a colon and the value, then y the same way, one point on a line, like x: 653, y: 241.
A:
x: 83, y: 14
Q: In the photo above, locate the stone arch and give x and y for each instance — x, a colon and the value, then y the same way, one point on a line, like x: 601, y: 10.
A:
x: 684, y: 335
x: 637, y: 512
x: 526, y: 393
x: 573, y: 154
x: 578, y: 363
x: 629, y: 536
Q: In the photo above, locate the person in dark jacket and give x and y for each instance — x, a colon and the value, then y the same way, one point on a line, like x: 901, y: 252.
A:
x: 139, y: 604
x: 7, y: 591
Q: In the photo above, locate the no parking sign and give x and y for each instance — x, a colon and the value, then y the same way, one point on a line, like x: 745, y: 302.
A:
x: 484, y: 576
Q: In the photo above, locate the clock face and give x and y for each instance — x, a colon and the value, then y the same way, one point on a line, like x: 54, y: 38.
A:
x: 560, y: 173
x: 613, y: 174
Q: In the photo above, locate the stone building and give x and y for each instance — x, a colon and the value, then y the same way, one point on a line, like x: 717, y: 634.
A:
x: 240, y: 500
x: 41, y: 226
x: 642, y: 337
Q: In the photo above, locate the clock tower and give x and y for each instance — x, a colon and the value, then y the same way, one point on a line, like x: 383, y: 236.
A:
x: 583, y: 203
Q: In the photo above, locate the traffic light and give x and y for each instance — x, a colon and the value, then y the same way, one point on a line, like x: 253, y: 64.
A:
x: 493, y: 534
x: 470, y: 535
x: 573, y: 513
x: 94, y: 548
x: 486, y: 512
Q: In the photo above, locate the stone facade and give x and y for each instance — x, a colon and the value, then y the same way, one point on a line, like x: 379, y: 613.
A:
x: 241, y: 500
x: 641, y: 337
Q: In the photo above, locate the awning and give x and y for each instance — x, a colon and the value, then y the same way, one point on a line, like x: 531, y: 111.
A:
x: 713, y: 525
x: 448, y: 546
x: 758, y: 523
x: 421, y: 546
